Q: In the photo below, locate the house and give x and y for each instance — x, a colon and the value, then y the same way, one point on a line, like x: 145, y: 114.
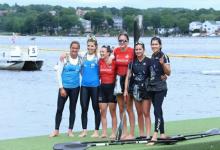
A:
x: 211, y: 27
x: 86, y: 25
x: 80, y: 12
x: 195, y: 25
x: 118, y: 22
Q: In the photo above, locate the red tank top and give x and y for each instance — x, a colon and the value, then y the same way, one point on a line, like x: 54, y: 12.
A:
x: 107, y: 72
x: 123, y: 58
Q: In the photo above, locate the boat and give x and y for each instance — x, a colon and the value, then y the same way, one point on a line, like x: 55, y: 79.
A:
x: 211, y: 72
x: 16, y: 59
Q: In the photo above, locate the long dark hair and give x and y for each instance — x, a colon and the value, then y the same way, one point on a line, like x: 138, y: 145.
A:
x: 158, y: 40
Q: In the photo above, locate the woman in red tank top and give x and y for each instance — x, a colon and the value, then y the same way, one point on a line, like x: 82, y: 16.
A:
x: 123, y: 56
x: 106, y: 91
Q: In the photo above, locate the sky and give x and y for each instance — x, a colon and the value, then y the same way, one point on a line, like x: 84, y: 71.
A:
x: 141, y: 4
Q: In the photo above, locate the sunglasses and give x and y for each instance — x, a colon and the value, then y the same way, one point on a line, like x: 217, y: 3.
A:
x: 139, y: 43
x: 122, y: 41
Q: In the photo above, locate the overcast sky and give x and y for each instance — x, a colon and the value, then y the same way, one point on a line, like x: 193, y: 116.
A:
x: 142, y: 4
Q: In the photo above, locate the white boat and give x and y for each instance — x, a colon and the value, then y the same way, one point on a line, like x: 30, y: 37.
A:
x: 211, y: 72
x: 16, y: 59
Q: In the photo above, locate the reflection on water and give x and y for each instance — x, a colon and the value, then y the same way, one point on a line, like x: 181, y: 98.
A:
x: 28, y: 99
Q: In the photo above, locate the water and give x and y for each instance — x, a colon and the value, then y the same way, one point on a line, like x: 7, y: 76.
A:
x: 28, y: 99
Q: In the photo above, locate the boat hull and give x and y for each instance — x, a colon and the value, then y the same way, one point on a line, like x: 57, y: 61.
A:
x: 28, y: 65
x: 11, y: 65
x: 32, y: 65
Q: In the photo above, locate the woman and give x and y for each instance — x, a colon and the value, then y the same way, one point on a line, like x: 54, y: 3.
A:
x: 89, y: 86
x: 69, y: 85
x: 135, y: 87
x: 160, y: 65
x: 107, y: 77
x: 123, y: 56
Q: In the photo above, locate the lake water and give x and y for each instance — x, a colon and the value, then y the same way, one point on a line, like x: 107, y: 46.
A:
x: 28, y: 99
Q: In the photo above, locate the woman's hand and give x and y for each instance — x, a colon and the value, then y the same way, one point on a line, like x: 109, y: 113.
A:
x: 63, y: 56
x: 125, y: 95
x: 63, y: 92
x: 163, y: 77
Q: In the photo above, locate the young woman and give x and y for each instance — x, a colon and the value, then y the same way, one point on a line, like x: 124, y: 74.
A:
x: 136, y: 87
x: 69, y: 85
x: 160, y: 65
x: 107, y: 77
x: 89, y: 86
x: 123, y: 56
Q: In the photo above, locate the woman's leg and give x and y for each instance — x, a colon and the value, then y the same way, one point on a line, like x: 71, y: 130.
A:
x: 158, y: 113
x: 139, y: 109
x: 146, y: 105
x: 121, y: 105
x: 103, y: 108
x: 73, y: 96
x: 60, y: 106
x: 112, y: 108
x: 95, y: 105
x: 84, y: 101
x: 130, y: 111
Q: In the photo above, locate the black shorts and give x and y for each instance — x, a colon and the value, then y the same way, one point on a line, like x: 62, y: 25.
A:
x: 106, y: 93
x: 144, y: 94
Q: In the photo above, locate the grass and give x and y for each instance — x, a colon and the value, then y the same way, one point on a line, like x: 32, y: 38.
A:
x: 172, y: 128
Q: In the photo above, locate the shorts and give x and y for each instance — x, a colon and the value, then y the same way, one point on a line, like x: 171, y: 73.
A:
x: 106, y: 93
x: 143, y: 93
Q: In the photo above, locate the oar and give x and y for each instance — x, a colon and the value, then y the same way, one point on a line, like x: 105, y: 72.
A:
x: 121, y: 124
x: 138, y: 25
x: 207, y: 133
x: 84, y: 146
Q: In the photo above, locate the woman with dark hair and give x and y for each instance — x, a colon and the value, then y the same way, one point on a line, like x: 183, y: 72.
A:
x: 68, y: 74
x: 157, y: 88
x: 136, y: 83
x: 106, y: 97
x: 123, y: 56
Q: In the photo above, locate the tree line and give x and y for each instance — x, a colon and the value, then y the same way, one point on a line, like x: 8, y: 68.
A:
x: 38, y: 19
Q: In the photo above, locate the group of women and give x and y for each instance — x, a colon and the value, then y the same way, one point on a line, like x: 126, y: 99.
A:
x: 142, y: 81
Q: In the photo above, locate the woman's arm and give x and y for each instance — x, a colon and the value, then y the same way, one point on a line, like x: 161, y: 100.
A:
x: 165, y: 66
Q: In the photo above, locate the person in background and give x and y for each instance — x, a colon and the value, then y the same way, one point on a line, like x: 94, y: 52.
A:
x: 136, y: 83
x: 68, y: 73
x: 107, y: 99
x: 123, y: 56
x: 90, y: 86
x: 157, y: 88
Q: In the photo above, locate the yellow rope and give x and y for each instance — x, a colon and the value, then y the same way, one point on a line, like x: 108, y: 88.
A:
x: 194, y: 56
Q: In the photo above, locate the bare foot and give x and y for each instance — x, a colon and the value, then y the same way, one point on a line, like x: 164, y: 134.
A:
x: 123, y: 136
x: 112, y: 136
x: 54, y: 133
x: 104, y: 136
x: 163, y: 136
x: 95, y: 134
x: 83, y: 134
x: 129, y: 137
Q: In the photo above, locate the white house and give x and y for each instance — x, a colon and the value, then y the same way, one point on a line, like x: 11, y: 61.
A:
x: 211, y: 27
x: 195, y: 25
x: 118, y: 23
x: 86, y: 25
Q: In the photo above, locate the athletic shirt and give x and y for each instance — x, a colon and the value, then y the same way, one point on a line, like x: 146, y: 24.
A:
x: 90, y: 72
x: 123, y: 58
x: 69, y: 73
x: 140, y: 70
x: 157, y: 71
x: 107, y: 72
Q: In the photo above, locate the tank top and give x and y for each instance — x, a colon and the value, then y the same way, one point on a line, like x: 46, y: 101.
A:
x: 107, y: 72
x: 90, y: 72
x: 123, y: 58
